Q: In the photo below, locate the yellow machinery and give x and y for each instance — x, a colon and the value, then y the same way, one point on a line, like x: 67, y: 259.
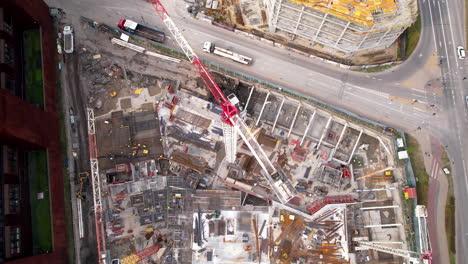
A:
x: 83, y: 176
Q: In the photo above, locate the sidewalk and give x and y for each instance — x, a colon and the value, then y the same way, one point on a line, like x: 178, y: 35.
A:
x: 437, y: 197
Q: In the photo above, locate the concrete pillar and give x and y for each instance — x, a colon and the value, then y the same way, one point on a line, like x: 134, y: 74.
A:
x: 355, y: 146
x: 308, y: 127
x: 299, y: 20
x: 387, y: 225
x: 342, y: 33
x: 263, y: 107
x: 341, y: 135
x: 294, y: 119
x: 320, y: 28
x: 379, y: 207
x: 277, y: 115
x: 365, y: 37
x: 274, y: 20
x: 383, y: 36
x: 248, y: 99
x: 324, y: 131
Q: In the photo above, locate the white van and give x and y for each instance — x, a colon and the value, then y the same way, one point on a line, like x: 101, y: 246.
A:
x: 68, y: 39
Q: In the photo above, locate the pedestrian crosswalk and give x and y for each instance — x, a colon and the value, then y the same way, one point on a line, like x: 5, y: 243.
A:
x: 434, y: 168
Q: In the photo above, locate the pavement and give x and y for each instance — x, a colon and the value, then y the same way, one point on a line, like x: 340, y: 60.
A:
x: 369, y: 95
x: 437, y: 195
x: 72, y: 98
x: 447, y: 28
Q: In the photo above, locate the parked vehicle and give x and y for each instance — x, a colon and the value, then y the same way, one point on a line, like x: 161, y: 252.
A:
x: 211, y: 48
x: 68, y: 39
x: 461, y: 52
x: 446, y: 171
x: 133, y: 27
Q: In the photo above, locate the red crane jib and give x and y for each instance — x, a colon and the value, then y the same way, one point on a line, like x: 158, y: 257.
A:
x: 145, y: 253
x: 228, y: 109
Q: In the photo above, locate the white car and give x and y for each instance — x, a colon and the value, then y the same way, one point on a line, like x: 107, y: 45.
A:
x: 461, y: 52
x: 446, y: 171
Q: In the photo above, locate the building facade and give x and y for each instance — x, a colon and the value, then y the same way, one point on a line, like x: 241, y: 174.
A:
x: 32, y: 208
x: 345, y: 25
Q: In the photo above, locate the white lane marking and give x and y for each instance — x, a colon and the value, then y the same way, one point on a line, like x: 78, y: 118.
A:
x: 420, y: 110
x: 451, y: 33
x: 443, y: 35
x: 411, y: 119
x: 381, y: 94
x: 433, y: 28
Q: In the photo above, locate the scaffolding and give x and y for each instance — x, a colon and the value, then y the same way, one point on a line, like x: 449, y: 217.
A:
x: 345, y: 25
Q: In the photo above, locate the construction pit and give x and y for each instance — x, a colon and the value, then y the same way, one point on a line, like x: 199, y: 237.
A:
x: 166, y: 183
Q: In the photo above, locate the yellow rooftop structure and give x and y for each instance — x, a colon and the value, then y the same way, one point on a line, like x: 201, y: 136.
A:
x: 355, y: 11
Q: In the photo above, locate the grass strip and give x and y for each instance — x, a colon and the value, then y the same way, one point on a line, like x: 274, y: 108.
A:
x: 33, y: 64
x: 380, y: 68
x: 417, y: 162
x: 40, y: 208
x: 449, y: 210
x: 412, y: 35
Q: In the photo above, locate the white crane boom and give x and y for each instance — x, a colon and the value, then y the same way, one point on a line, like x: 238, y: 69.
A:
x: 96, y: 184
x: 412, y: 257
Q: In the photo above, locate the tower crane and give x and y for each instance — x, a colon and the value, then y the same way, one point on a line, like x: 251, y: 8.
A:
x: 139, y: 256
x: 96, y: 184
x: 233, y: 123
x: 412, y: 257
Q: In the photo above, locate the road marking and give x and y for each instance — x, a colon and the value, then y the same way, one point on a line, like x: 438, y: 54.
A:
x: 451, y: 33
x: 443, y: 35
x: 434, y: 169
x: 433, y: 29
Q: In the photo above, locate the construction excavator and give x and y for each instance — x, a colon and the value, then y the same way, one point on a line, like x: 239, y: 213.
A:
x: 83, y: 177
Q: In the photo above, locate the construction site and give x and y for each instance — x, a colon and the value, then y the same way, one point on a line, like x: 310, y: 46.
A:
x: 331, y: 27
x: 177, y: 179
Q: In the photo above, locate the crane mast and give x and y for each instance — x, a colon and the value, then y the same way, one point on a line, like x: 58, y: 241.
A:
x: 412, y: 257
x: 280, y: 185
x: 96, y: 184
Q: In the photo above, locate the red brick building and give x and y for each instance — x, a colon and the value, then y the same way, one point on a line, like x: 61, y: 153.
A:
x: 32, y: 211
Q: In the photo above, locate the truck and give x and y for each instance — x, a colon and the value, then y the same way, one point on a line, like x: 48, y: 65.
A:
x: 68, y: 39
x: 134, y: 28
x: 211, y: 48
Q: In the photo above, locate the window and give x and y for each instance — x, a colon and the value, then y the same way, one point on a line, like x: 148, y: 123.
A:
x: 9, y: 53
x: 10, y: 84
x: 8, y: 22
x: 13, y: 197
x: 11, y: 165
x: 15, y: 241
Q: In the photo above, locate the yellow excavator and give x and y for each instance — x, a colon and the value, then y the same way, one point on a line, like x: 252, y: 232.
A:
x: 82, y: 177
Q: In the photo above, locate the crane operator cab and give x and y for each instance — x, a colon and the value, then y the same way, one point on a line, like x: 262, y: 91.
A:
x: 234, y: 101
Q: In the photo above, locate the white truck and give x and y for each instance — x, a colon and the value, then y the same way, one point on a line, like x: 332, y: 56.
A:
x: 68, y: 39
x: 211, y: 48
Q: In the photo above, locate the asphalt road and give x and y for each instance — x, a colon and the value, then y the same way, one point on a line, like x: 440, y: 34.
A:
x: 290, y: 70
x: 447, y: 23
x: 365, y: 94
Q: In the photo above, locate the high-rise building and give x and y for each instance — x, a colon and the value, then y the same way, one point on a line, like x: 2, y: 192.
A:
x: 32, y: 209
x: 345, y: 25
